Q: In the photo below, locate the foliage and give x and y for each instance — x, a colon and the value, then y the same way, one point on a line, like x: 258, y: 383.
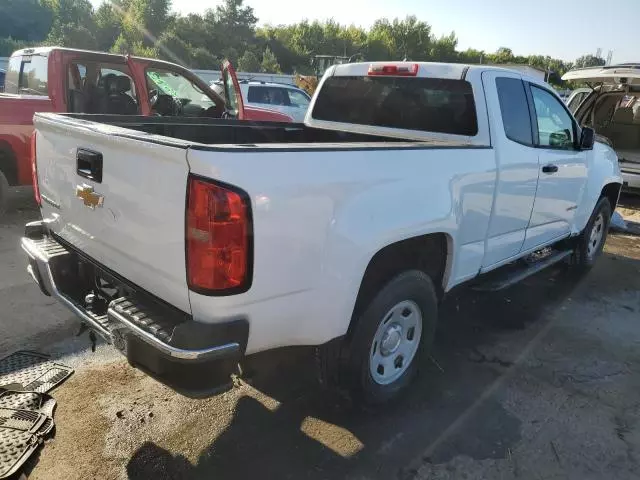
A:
x: 25, y: 20
x: 269, y: 62
x: 149, y: 28
x: 248, y: 62
x: 589, y: 61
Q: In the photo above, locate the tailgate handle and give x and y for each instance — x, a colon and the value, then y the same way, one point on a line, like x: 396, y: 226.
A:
x: 89, y: 164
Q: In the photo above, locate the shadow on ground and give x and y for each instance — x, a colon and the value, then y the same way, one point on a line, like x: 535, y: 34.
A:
x: 454, y: 409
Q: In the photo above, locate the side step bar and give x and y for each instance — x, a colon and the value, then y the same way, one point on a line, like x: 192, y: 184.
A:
x: 515, y: 275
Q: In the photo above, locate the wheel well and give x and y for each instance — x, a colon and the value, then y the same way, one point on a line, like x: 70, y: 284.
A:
x: 612, y: 192
x: 8, y: 164
x: 427, y: 253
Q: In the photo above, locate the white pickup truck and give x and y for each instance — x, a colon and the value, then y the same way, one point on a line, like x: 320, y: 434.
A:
x: 191, y: 244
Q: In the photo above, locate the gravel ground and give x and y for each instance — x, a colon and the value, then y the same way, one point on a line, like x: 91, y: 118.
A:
x: 540, y: 381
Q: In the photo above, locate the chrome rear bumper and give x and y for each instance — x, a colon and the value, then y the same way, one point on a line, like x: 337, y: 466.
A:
x: 47, y: 256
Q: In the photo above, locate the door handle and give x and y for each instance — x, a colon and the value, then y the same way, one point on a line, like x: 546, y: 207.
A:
x: 89, y: 164
x: 550, y: 168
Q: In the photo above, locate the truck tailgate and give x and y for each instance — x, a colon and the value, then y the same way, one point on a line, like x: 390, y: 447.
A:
x: 132, y: 219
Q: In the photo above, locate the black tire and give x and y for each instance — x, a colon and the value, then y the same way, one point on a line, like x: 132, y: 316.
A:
x: 587, y: 252
x: 413, y: 286
x: 4, y: 194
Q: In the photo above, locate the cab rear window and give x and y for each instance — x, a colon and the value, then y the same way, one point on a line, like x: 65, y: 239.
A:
x: 27, y: 75
x: 424, y: 104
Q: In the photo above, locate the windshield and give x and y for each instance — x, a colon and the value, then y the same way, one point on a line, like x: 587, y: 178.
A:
x: 179, y: 87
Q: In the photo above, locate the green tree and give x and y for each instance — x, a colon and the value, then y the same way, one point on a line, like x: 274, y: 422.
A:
x: 73, y: 36
x: 202, y: 58
x: 108, y: 25
x: 589, y: 61
x: 249, y: 62
x: 172, y: 48
x: 73, y: 24
x: 25, y: 20
x: 471, y: 55
x: 9, y: 45
x: 270, y: 62
x: 234, y: 26
x: 143, y: 21
x: 444, y: 48
x: 502, y: 55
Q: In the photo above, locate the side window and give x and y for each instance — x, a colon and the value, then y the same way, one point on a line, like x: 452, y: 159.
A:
x: 298, y: 99
x: 555, y: 126
x: 278, y: 96
x: 515, y: 110
x: 257, y: 95
x: 268, y: 95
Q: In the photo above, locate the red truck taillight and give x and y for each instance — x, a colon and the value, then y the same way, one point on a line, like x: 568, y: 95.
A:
x: 219, y: 238
x: 34, y: 170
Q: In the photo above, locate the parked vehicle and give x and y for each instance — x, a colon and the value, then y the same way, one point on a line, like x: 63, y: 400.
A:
x: 287, y: 99
x: 56, y: 79
x: 612, y: 109
x: 192, y: 244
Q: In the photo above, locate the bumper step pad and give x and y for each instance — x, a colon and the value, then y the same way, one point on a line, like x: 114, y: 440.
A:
x: 26, y: 411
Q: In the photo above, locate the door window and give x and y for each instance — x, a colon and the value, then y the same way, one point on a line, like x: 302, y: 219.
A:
x: 101, y: 88
x: 269, y: 96
x: 298, y: 99
x: 576, y: 101
x: 514, y: 108
x: 555, y: 125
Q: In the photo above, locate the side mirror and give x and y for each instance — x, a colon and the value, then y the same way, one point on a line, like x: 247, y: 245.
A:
x: 587, y: 138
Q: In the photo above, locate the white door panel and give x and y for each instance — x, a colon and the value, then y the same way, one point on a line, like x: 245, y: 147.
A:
x: 517, y: 165
x: 563, y: 171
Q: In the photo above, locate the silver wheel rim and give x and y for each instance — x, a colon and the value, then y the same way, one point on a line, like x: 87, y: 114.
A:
x: 595, y: 236
x: 395, y: 343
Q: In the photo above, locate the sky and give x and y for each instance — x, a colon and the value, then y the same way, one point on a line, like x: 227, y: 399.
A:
x: 563, y: 30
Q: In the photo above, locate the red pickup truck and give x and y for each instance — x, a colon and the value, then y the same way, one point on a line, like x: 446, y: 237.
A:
x: 54, y: 79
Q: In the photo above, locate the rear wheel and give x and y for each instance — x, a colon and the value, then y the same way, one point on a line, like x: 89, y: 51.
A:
x: 4, y: 193
x: 591, y: 242
x: 391, y: 338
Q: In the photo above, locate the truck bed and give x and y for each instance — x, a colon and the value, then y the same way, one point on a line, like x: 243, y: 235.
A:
x: 244, y: 133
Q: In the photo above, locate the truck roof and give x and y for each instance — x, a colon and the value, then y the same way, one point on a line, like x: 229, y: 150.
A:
x: 451, y: 71
x: 47, y: 50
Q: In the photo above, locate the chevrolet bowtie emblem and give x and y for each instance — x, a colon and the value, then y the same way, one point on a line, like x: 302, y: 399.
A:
x: 90, y: 198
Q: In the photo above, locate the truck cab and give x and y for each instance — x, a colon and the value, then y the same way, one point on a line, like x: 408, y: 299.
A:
x: 62, y: 80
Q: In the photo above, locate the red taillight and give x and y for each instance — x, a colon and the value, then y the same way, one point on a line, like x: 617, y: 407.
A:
x: 218, y: 238
x: 34, y: 170
x: 394, y: 70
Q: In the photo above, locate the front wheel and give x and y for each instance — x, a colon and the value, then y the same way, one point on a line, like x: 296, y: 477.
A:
x: 591, y: 242
x: 392, y: 338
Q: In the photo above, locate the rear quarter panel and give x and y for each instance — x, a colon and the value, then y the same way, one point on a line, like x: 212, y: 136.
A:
x: 16, y: 127
x: 319, y: 217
